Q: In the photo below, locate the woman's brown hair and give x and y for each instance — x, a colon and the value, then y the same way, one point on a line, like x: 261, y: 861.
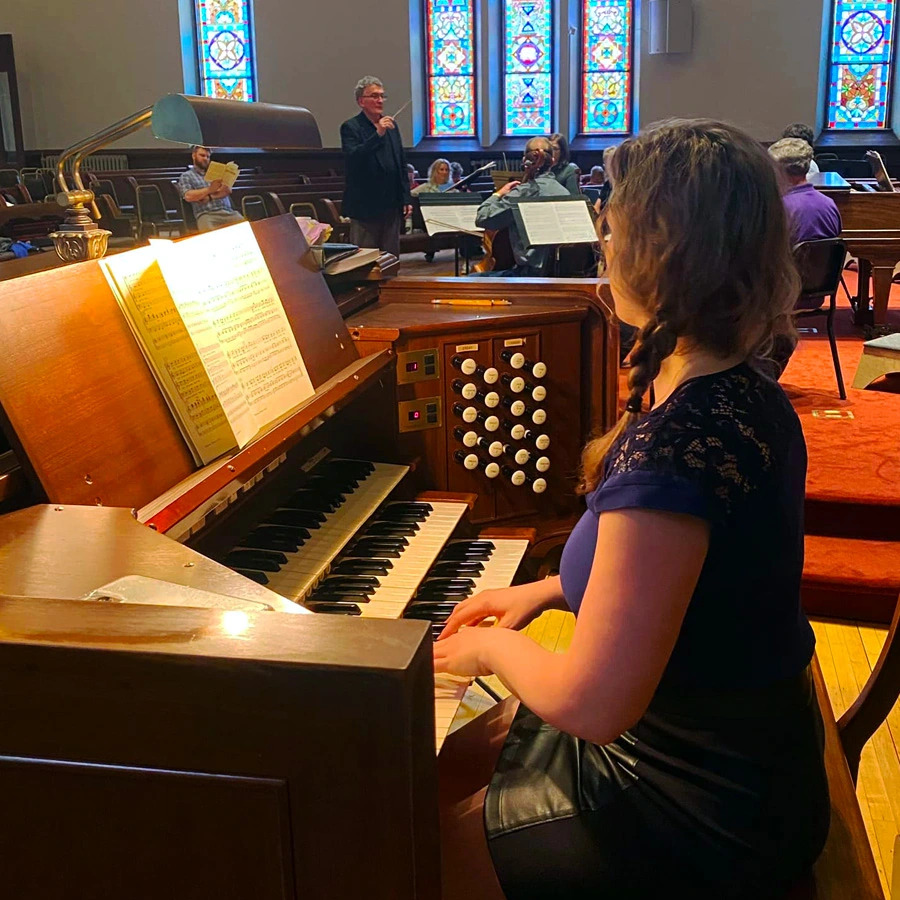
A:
x: 702, y: 242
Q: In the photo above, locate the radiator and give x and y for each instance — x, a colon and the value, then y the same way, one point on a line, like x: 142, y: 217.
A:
x: 102, y: 162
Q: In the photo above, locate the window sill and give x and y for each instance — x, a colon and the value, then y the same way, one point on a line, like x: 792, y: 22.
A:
x: 587, y: 142
x: 864, y: 139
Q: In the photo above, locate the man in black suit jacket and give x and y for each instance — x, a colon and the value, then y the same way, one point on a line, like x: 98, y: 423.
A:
x: 376, y: 195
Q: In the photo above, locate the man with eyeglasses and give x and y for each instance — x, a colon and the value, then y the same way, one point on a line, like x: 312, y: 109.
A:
x: 376, y: 194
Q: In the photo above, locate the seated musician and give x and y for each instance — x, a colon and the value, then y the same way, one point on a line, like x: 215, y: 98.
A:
x: 564, y: 170
x: 211, y: 201
x: 814, y: 216
x: 456, y: 172
x: 596, y: 178
x: 439, y: 179
x: 676, y: 748
x: 497, y: 211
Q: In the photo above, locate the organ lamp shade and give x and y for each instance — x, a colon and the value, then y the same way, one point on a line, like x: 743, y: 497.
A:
x: 183, y: 119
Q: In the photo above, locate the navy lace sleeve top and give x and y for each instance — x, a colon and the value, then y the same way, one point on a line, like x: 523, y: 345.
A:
x: 727, y: 448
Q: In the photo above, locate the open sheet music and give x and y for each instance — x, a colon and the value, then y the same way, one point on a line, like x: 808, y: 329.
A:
x: 447, y: 216
x: 210, y: 323
x: 556, y: 221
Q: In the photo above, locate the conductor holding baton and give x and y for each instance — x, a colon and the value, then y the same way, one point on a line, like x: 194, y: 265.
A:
x: 376, y: 195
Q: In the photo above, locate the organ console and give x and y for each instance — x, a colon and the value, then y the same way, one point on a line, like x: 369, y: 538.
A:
x: 246, y: 746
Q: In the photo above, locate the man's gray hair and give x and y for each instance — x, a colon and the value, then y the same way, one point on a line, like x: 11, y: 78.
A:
x: 793, y: 155
x: 364, y: 82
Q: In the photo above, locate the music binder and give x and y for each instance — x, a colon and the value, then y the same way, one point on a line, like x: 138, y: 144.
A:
x: 450, y: 213
x: 548, y: 221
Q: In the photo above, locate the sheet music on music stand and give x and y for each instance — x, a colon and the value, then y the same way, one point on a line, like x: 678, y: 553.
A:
x: 547, y: 221
x: 450, y: 213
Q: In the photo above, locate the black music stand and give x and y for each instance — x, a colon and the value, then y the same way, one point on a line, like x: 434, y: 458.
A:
x: 450, y: 213
x: 564, y: 221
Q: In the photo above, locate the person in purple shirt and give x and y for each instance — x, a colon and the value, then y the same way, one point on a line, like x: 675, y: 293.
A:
x: 814, y: 215
x: 675, y: 749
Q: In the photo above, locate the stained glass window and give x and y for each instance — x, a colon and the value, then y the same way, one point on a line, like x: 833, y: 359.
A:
x: 450, y: 36
x: 862, y: 43
x: 225, y: 49
x: 606, y: 88
x: 528, y: 78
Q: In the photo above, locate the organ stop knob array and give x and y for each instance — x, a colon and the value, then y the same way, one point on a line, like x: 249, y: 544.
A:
x: 516, y: 397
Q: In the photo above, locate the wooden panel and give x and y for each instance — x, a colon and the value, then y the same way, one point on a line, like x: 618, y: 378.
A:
x: 320, y: 703
x: 868, y: 211
x: 318, y: 327
x: 80, y: 402
x: 233, y: 833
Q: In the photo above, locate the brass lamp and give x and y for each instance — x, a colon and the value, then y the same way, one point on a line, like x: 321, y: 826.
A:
x: 186, y: 120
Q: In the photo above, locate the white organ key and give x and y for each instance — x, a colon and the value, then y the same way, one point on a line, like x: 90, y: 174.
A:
x: 305, y: 567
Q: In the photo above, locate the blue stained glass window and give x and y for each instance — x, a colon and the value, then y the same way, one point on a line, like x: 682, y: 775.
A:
x: 528, y: 75
x: 861, y: 58
x: 450, y: 34
x: 606, y: 67
x: 225, y: 49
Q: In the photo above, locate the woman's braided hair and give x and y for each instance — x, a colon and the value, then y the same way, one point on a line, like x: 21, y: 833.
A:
x: 702, y: 243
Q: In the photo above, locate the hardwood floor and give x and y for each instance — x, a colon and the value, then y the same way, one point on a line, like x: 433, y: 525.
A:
x: 847, y: 652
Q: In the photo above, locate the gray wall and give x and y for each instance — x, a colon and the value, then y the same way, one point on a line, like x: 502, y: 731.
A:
x: 754, y: 62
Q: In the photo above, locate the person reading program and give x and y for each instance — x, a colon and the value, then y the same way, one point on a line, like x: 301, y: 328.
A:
x: 676, y: 748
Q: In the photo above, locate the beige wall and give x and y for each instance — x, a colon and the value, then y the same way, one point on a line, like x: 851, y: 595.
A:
x: 82, y: 66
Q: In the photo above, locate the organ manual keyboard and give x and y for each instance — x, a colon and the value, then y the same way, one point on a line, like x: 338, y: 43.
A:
x: 242, y: 747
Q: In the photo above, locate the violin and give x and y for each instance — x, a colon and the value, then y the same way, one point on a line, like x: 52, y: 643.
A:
x: 498, y: 253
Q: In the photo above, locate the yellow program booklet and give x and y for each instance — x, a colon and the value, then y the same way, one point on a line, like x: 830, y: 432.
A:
x: 209, y: 321
x: 227, y: 173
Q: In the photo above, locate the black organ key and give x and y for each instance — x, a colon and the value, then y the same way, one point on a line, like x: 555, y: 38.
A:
x: 304, y: 518
x: 356, y: 595
x: 427, y: 614
x: 333, y: 607
x: 457, y: 568
x: 253, y: 575
x: 391, y: 528
x: 363, y: 551
x: 339, y: 581
x: 361, y: 467
x: 263, y: 541
x: 451, y: 583
x: 362, y: 567
x: 282, y: 532
x: 323, y: 501
x: 303, y: 504
x: 263, y: 560
x: 291, y: 517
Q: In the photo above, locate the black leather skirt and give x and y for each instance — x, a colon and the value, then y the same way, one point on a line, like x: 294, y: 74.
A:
x: 718, y: 795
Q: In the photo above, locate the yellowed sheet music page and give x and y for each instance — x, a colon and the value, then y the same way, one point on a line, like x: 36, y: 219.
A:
x: 138, y: 283
x: 224, y: 274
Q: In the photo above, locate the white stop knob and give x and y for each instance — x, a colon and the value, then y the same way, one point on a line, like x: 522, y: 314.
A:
x: 469, y: 366
x: 542, y: 464
x: 542, y: 442
x: 522, y: 457
x: 471, y: 461
x: 517, y: 408
x: 518, y: 478
x: 539, y: 416
x: 539, y: 485
x: 470, y: 438
x: 491, y: 375
x: 517, y: 361
x: 492, y: 470
x: 518, y: 432
x: 496, y: 449
x: 492, y: 399
x: 470, y: 414
x: 491, y: 423
x: 469, y: 391
x: 539, y: 369
x: 539, y: 393
x: 517, y: 384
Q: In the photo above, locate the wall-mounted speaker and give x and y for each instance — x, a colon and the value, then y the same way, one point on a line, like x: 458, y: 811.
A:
x: 671, y: 26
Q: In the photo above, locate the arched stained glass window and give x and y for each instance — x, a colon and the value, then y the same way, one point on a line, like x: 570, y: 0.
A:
x: 528, y: 76
x: 859, y: 72
x: 450, y: 34
x: 606, y: 66
x: 225, y: 49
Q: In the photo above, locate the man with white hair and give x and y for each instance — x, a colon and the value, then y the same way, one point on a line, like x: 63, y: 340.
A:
x: 376, y: 194
x: 814, y: 216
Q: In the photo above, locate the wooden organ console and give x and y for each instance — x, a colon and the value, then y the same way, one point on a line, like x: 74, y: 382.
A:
x: 217, y: 741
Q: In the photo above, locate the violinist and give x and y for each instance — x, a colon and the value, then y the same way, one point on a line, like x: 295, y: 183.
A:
x: 496, y: 212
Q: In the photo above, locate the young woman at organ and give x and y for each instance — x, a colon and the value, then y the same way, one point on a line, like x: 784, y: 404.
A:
x: 675, y: 749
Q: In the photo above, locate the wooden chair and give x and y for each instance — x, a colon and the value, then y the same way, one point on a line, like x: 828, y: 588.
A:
x: 820, y: 264
x: 846, y: 869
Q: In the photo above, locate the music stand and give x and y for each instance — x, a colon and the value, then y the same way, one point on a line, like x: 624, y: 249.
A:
x: 555, y: 221
x: 451, y: 213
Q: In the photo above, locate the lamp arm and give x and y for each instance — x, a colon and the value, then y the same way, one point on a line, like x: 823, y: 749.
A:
x: 97, y: 141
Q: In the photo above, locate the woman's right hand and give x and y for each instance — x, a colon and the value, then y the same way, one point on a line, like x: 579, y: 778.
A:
x: 511, y: 607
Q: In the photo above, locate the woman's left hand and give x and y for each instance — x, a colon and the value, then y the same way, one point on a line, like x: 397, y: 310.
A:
x: 465, y: 652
